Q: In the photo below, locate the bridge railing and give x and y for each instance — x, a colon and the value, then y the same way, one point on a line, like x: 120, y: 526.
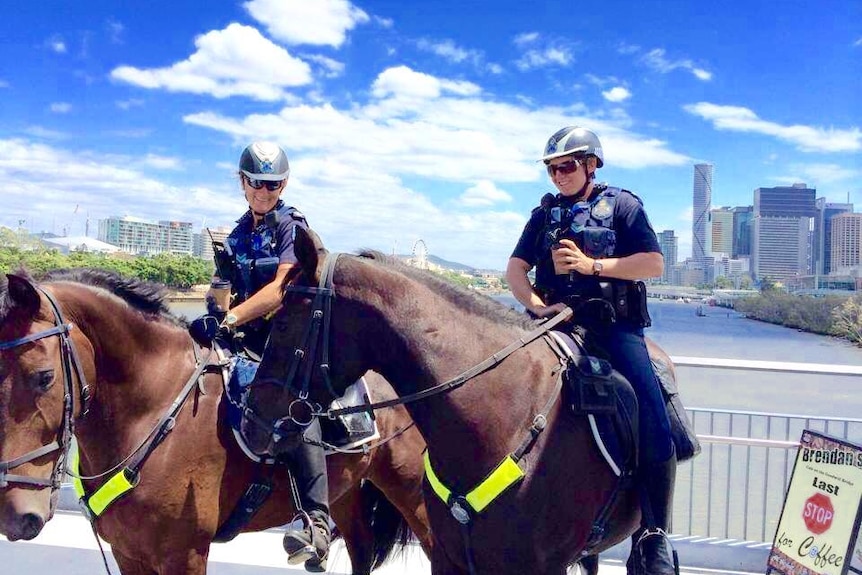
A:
x: 735, y: 488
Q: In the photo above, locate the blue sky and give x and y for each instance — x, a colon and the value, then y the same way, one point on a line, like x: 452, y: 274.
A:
x: 404, y: 121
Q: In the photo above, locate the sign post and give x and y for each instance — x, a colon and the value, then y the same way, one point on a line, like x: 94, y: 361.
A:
x: 818, y: 532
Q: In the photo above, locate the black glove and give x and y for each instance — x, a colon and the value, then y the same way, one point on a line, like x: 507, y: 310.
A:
x: 206, y: 328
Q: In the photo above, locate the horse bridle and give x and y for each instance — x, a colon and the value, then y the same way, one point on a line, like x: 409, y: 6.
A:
x: 301, y: 411
x: 71, y: 363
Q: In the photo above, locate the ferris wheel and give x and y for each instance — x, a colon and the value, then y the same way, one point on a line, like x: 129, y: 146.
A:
x: 420, y: 254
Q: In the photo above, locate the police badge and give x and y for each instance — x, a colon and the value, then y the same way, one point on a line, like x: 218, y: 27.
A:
x: 602, y: 209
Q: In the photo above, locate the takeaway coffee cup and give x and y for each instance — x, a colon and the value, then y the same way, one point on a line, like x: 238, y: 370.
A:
x: 220, y: 290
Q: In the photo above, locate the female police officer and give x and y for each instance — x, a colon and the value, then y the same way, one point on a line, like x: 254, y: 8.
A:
x: 589, y: 244
x: 255, y: 258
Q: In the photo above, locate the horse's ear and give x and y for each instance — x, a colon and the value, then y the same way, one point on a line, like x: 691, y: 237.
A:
x: 308, y: 248
x: 22, y: 296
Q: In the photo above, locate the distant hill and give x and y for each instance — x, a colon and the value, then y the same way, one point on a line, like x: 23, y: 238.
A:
x: 447, y: 264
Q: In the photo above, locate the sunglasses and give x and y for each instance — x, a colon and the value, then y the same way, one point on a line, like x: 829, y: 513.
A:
x: 569, y: 167
x: 270, y: 185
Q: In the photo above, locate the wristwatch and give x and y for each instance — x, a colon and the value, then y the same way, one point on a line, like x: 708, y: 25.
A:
x: 230, y: 321
x: 597, y: 268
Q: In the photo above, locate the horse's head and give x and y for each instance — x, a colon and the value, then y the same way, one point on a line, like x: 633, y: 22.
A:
x: 36, y: 406
x: 303, y: 369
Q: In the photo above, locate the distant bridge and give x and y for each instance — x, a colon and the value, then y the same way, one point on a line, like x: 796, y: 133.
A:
x: 720, y: 296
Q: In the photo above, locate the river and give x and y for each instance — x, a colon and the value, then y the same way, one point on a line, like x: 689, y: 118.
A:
x: 723, y: 333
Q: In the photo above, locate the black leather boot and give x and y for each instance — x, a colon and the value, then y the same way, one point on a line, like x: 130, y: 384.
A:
x: 655, y: 555
x: 308, y: 467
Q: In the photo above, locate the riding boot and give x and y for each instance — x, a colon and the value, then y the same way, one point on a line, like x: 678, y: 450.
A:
x: 657, y: 482
x: 308, y: 467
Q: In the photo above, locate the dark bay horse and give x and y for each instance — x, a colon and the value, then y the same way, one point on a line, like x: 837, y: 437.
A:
x: 501, y: 380
x: 106, y: 364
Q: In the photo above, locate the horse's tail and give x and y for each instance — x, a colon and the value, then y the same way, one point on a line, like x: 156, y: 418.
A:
x: 391, y: 531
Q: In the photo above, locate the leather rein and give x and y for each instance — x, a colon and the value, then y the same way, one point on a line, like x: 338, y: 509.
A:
x: 316, y: 337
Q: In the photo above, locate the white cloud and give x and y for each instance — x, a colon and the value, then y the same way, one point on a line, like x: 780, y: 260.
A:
x: 402, y: 81
x: 819, y: 174
x: 45, y: 133
x: 448, y: 50
x: 162, y: 162
x: 526, y: 38
x: 532, y: 59
x: 384, y: 22
x: 805, y: 138
x: 130, y: 103
x: 857, y: 43
x: 4, y: 84
x: 236, y: 61
x: 331, y: 68
x: 617, y: 94
x: 115, y: 30
x: 484, y: 193
x: 656, y: 60
x: 626, y: 49
x: 61, y: 107
x: 318, y: 23
x: 57, y: 44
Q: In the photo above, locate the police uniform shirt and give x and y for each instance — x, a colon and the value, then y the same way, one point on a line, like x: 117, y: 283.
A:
x: 634, y: 232
x: 283, y: 234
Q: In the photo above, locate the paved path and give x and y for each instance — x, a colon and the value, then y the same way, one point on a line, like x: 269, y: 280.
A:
x: 67, y: 540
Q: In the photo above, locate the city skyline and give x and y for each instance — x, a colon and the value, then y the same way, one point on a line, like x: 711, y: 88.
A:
x: 402, y: 126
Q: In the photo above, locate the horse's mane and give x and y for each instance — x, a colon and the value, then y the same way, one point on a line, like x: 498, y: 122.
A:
x: 465, y: 299
x: 147, y: 297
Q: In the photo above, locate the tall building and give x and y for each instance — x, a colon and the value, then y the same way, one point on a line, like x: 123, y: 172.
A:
x: 669, y: 244
x: 821, y: 246
x: 846, y: 242
x: 743, y: 231
x: 701, y: 201
x: 722, y: 231
x: 207, y: 237
x: 782, y: 218
x: 138, y: 236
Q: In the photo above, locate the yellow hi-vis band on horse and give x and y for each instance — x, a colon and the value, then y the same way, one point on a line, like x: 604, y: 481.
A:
x: 104, y: 495
x: 504, y: 476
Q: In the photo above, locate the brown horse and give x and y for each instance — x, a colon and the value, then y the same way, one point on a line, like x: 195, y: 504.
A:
x: 499, y: 398
x: 92, y: 354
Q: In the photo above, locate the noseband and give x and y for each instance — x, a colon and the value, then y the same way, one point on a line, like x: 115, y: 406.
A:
x: 67, y: 427
x: 301, y: 411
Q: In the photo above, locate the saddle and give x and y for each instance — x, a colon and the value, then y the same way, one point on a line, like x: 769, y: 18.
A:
x: 593, y: 388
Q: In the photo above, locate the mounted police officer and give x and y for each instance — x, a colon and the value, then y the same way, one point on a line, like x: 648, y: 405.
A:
x: 590, y: 244
x: 255, y: 258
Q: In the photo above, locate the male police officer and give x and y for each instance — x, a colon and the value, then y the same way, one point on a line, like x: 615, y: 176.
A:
x: 590, y: 244
x: 256, y: 258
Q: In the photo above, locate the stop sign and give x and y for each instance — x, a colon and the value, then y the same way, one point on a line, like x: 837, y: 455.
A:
x: 818, y: 513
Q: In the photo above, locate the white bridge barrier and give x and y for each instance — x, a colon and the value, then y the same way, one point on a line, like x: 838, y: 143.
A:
x: 734, y: 489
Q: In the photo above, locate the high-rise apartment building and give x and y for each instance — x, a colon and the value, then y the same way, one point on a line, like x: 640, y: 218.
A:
x: 846, y: 242
x: 701, y: 201
x: 207, y: 237
x: 821, y: 244
x: 721, y: 231
x: 669, y: 244
x: 137, y: 236
x: 782, y: 218
x: 743, y: 231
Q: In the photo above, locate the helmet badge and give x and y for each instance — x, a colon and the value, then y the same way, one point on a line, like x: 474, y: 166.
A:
x: 266, y: 167
x: 552, y: 146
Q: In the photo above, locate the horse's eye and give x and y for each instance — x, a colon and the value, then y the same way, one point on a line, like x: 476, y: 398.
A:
x: 41, y: 381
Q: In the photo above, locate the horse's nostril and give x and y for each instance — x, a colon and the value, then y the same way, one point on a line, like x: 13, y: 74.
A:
x: 31, y: 525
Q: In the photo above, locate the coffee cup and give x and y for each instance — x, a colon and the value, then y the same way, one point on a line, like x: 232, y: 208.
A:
x: 220, y: 291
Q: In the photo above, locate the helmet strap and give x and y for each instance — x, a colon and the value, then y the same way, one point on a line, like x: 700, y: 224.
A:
x: 588, y: 179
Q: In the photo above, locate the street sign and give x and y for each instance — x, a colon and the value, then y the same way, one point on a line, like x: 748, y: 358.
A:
x: 818, y: 532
